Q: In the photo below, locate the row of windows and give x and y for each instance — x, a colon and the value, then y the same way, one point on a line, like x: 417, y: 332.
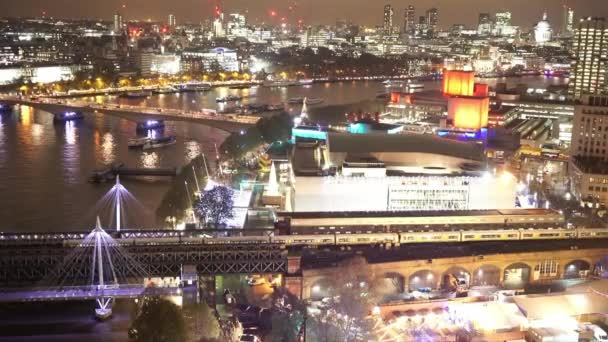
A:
x: 598, y: 189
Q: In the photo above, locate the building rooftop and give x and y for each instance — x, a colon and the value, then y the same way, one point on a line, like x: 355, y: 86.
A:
x: 404, y: 143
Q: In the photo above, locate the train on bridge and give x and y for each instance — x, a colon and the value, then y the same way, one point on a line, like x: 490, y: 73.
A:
x: 372, y: 239
x: 361, y: 228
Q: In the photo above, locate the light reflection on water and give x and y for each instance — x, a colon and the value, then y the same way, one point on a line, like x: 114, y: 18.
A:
x: 193, y: 150
x: 107, y: 148
x: 150, y: 160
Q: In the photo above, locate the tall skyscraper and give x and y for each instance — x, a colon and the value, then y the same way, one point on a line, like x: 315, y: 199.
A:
x: 423, y: 26
x: 568, y: 21
x: 502, y: 23
x: 484, y: 28
x: 117, y: 23
x: 432, y: 19
x: 588, y: 150
x: 387, y: 24
x: 172, y: 21
x: 409, y: 20
x: 590, y: 58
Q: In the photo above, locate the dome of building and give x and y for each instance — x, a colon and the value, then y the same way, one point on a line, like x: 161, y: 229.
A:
x: 542, y: 31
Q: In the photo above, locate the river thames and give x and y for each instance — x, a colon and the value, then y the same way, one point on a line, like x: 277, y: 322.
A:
x: 45, y: 167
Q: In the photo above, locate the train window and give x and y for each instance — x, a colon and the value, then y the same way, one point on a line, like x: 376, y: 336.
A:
x: 548, y: 234
x: 528, y: 235
x: 512, y: 235
x: 490, y: 236
x: 453, y: 237
x: 468, y: 236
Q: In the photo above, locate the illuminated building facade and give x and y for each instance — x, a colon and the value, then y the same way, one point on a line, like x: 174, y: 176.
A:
x: 590, y: 58
x: 469, y: 112
x: 542, y: 31
x: 409, y: 21
x: 588, y: 150
x: 458, y: 83
x: 118, y: 25
x: 568, y: 21
x: 387, y: 23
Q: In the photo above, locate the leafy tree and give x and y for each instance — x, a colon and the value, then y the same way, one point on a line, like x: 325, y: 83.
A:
x: 202, y: 323
x: 158, y: 320
x: 216, y: 204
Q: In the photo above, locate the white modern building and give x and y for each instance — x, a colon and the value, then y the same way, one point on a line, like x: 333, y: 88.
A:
x: 226, y: 59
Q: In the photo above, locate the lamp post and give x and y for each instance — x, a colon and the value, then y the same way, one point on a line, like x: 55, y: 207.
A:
x: 190, y: 200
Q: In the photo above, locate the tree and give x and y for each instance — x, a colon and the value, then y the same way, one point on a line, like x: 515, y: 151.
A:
x: 202, y: 323
x: 158, y: 320
x: 216, y: 205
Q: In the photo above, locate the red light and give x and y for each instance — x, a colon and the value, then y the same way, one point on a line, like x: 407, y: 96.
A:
x: 273, y: 13
x: 283, y: 19
x: 300, y: 21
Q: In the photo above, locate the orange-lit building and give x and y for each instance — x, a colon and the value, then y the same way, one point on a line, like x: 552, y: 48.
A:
x: 481, y: 89
x: 469, y: 112
x: 458, y: 83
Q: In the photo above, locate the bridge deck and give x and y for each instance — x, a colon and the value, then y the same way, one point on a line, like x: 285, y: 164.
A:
x: 227, y: 122
x: 81, y: 293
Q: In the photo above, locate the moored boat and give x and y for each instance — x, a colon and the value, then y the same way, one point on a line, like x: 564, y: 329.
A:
x: 164, y: 90
x: 192, y: 87
x: 159, y: 142
x: 136, y: 94
x: 143, y: 127
x: 68, y: 116
x: 138, y: 142
x: 229, y: 98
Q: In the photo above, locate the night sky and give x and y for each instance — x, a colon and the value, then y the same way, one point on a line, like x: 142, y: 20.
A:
x: 525, y: 12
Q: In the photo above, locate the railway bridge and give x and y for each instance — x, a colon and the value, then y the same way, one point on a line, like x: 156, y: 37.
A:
x: 511, y: 265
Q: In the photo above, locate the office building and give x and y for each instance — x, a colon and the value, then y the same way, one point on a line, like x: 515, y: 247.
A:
x: 484, y: 28
x: 172, y: 22
x: 409, y: 20
x: 568, y: 21
x: 117, y: 27
x: 432, y: 19
x: 387, y: 23
x: 590, y: 58
x: 588, y: 150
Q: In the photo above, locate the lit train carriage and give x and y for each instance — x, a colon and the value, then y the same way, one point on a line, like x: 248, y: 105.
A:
x: 527, y: 217
x: 490, y: 235
x: 422, y: 237
x: 548, y: 234
x: 367, y: 239
x: 592, y: 233
x: 220, y: 240
x: 305, y: 240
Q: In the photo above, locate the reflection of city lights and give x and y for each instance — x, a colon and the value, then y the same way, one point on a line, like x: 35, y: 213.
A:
x: 316, y: 288
x: 193, y: 150
x: 107, y: 147
x: 149, y: 160
x: 70, y: 133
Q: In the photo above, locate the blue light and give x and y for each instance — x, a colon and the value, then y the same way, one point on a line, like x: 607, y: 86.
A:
x: 308, y: 134
x: 442, y: 133
x: 69, y: 114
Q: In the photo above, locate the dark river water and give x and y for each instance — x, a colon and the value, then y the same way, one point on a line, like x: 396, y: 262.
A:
x: 44, y: 167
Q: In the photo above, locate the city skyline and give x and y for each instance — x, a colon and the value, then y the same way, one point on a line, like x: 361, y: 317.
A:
x: 525, y: 13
